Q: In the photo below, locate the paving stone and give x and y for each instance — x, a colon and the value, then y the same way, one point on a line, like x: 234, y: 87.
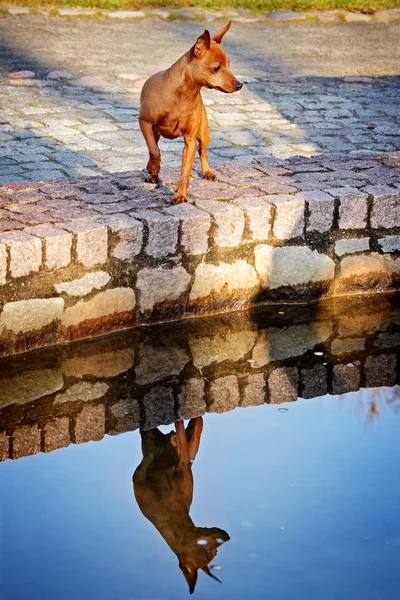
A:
x: 90, y: 424
x: 315, y: 381
x: 29, y: 386
x: 85, y: 285
x: 84, y: 391
x: 91, y: 242
x: 392, y: 266
x: 162, y: 233
x: 353, y: 207
x: 194, y: 227
x: 388, y: 339
x: 380, y: 370
x: 191, y: 402
x: 224, y: 394
x: 100, y: 365
x: 291, y: 265
x: 160, y: 288
x: 4, y: 446
x: 108, y: 303
x: 159, y: 362
x: 285, y: 15
x: 25, y: 441
x: 124, y: 416
x: 223, y: 281
x: 282, y: 385
x: 25, y: 252
x: 347, y: 345
x: 390, y: 243
x: 254, y: 390
x: 386, y: 206
x: 222, y: 345
x: 345, y: 379
x: 128, y: 235
x: 3, y: 264
x: 159, y: 407
x: 57, y: 245
x: 289, y: 217
x: 126, y: 14
x: 25, y: 316
x: 349, y: 246
x: 321, y: 206
x: 361, y: 269
x: 228, y: 222
x: 56, y: 433
x: 258, y: 213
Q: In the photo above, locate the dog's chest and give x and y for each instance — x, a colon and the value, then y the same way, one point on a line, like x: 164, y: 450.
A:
x: 173, y: 125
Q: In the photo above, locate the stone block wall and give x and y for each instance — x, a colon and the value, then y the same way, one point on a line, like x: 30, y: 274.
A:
x: 83, y: 257
x: 153, y: 376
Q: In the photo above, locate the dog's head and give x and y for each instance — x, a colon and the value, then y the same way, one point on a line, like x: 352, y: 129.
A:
x: 210, y: 64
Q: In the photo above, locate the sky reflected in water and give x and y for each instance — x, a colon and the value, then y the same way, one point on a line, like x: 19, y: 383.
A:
x: 309, y: 497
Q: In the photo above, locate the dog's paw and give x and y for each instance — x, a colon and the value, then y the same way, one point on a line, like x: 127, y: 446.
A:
x: 210, y: 176
x: 178, y: 198
x: 151, y: 178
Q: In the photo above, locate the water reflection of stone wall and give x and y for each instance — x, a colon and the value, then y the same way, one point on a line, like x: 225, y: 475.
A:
x: 153, y: 376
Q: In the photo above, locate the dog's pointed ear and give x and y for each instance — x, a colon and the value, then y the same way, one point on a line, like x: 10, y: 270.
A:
x: 218, y: 36
x: 190, y: 576
x: 201, y: 46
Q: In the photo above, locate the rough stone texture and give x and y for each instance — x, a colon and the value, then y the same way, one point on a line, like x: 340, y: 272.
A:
x: 29, y: 386
x: 351, y: 246
x: 222, y: 345
x: 291, y: 265
x: 386, y: 207
x: 380, y: 370
x: 254, y: 390
x: 3, y: 264
x: 393, y: 267
x: 191, y: 402
x: 85, y: 285
x: 289, y: 218
x: 102, y: 364
x: 56, y: 434
x: 91, y: 242
x: 345, y: 379
x: 124, y: 415
x: 57, y: 245
x: 278, y: 343
x: 128, y: 235
x: 162, y: 233
x: 389, y: 339
x: 320, y: 206
x: 84, y: 391
x: 25, y: 252
x: 315, y: 381
x: 282, y: 385
x: 24, y: 316
x: 223, y: 279
x: 360, y: 267
x: 347, y: 345
x: 228, y: 222
x: 4, y: 446
x: 25, y: 441
x: 109, y: 302
x: 224, y: 394
x: 390, y: 243
x: 157, y: 362
x: 194, y: 227
x: 258, y: 216
x: 90, y: 424
x: 161, y: 287
x: 159, y: 407
x: 353, y: 207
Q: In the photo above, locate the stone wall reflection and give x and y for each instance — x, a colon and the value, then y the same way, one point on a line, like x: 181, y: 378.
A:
x: 146, y: 378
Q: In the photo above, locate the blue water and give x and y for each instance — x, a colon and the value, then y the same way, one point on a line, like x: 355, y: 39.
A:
x: 310, y: 498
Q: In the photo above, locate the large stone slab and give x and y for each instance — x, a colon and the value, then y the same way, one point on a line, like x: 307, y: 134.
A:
x: 160, y: 288
x: 215, y: 284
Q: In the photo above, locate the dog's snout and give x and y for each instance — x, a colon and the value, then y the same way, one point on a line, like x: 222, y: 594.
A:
x: 238, y: 86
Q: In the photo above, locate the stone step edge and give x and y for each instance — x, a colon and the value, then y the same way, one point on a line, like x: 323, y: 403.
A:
x: 196, y: 13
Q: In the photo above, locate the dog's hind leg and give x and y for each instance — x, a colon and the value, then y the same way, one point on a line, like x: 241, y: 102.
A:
x: 151, y: 136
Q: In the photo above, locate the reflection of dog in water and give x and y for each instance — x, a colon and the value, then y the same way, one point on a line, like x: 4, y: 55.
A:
x: 163, y: 485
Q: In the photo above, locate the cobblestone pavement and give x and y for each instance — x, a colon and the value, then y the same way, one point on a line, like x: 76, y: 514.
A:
x: 309, y: 88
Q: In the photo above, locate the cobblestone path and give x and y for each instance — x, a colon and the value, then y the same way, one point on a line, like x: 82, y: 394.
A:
x: 309, y: 88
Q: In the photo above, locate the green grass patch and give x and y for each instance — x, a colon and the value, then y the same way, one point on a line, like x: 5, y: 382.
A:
x: 256, y: 6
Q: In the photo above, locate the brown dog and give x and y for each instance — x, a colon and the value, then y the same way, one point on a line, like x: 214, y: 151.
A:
x: 171, y: 105
x: 163, y: 486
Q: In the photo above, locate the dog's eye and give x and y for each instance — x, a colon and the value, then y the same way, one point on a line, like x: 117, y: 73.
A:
x: 217, y: 68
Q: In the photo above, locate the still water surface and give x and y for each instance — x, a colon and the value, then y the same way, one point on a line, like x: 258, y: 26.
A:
x: 308, y: 496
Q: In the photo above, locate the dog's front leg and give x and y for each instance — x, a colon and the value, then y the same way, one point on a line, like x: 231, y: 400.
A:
x: 151, y: 137
x: 189, y: 153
